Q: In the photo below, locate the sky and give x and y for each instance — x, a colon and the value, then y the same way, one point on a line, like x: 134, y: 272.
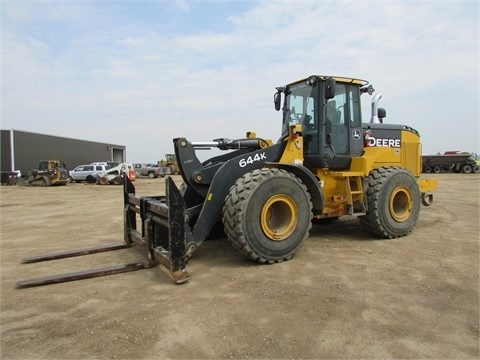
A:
x: 141, y: 73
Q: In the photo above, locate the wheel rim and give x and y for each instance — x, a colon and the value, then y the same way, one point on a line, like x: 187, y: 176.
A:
x: 401, y: 204
x: 279, y: 217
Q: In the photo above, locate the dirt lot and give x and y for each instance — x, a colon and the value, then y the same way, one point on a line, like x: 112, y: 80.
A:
x: 346, y: 294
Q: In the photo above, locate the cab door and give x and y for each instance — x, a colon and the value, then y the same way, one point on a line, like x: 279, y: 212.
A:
x: 344, y: 125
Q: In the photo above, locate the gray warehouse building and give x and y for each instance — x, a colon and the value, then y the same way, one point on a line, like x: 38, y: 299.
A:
x: 22, y: 150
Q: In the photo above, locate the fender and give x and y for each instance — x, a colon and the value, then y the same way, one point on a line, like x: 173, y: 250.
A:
x: 310, y: 181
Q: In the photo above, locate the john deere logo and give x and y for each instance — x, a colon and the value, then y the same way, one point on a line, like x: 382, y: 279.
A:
x: 356, y: 134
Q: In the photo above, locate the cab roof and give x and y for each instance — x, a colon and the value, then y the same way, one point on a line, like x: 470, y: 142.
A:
x: 340, y: 79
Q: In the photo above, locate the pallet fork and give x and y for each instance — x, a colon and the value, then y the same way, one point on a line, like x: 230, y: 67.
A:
x: 161, y: 239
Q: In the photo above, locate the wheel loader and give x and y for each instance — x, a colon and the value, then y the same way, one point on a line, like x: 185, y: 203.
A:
x: 170, y: 162
x: 266, y: 194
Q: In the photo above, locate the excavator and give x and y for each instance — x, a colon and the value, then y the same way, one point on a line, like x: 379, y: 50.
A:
x: 265, y: 194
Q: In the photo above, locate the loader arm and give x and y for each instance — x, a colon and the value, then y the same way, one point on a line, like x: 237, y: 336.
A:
x: 213, y: 181
x: 198, y: 176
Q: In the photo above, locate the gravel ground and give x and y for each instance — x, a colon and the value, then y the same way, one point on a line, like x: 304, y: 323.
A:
x: 346, y: 295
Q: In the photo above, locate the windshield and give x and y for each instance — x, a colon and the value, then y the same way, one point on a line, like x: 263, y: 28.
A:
x: 300, y: 100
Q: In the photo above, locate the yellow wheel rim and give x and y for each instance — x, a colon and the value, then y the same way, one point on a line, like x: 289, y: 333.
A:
x: 279, y: 217
x: 401, y: 204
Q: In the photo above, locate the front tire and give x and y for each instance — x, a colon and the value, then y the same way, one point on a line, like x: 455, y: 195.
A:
x: 267, y: 215
x: 393, y: 202
x: 117, y: 180
x: 103, y: 180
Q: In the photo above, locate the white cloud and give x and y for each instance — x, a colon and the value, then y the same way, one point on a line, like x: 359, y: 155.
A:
x: 141, y: 83
x: 182, y: 5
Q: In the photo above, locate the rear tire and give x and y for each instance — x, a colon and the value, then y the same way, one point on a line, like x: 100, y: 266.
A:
x: 467, y: 169
x: 427, y: 169
x: 267, y: 215
x: 393, y: 202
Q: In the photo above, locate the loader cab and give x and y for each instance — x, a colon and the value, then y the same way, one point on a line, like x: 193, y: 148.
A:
x: 329, y: 111
x: 51, y: 164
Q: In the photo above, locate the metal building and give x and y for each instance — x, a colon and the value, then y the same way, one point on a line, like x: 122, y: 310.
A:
x: 22, y: 150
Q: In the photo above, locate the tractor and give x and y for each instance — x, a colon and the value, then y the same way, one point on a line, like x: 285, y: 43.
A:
x: 326, y: 164
x: 49, y: 172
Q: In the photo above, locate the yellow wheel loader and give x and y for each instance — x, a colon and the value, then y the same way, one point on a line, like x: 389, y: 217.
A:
x: 170, y: 162
x: 326, y: 164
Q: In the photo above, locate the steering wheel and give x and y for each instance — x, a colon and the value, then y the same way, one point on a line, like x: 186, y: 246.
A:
x: 307, y: 124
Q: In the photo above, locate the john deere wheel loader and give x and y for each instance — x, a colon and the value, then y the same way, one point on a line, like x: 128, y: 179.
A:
x: 170, y: 162
x: 326, y: 164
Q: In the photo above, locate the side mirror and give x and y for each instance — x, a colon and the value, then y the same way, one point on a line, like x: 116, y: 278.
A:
x: 381, y: 112
x: 330, y: 88
x: 277, y: 98
x: 367, y: 89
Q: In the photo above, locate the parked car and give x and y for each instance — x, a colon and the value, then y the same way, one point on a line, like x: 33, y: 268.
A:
x: 109, y: 164
x: 151, y: 170
x: 88, y: 173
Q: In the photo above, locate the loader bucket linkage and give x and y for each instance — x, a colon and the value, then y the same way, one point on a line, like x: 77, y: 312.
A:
x: 161, y: 239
